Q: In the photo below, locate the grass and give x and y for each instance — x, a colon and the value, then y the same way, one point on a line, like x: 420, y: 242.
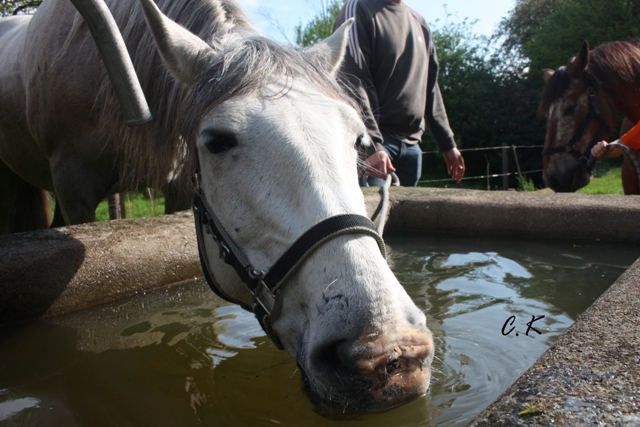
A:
x: 609, y: 182
x: 137, y: 205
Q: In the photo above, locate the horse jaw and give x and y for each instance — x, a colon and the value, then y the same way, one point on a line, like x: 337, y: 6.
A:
x: 328, y: 54
x: 184, y: 53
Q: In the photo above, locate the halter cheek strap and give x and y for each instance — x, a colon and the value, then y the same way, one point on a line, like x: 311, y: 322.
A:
x: 264, y: 286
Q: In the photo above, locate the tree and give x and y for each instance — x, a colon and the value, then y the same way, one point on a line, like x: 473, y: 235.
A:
x: 15, y: 7
x: 547, y: 33
x: 321, y: 26
x: 523, y: 22
x: 562, y: 32
x: 489, y: 103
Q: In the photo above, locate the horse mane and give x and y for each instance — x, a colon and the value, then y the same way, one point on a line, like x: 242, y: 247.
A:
x: 245, y: 65
x: 615, y: 62
x: 151, y: 152
x: 609, y: 64
x: 154, y: 151
x: 557, y: 86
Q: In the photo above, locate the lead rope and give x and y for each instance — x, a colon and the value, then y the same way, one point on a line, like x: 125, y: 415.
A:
x: 631, y: 155
x: 392, y: 179
x: 629, y: 152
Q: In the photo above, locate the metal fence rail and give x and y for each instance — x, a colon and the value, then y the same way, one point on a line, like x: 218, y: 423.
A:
x: 505, y: 165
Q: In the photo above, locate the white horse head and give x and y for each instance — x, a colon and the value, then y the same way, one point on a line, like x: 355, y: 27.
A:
x: 276, y: 144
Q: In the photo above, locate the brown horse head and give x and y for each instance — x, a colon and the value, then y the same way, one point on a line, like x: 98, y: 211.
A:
x: 579, y: 113
x: 580, y: 103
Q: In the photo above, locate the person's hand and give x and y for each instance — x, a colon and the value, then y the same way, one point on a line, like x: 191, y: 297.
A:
x: 600, y: 149
x: 378, y: 165
x: 455, y: 164
x: 603, y: 149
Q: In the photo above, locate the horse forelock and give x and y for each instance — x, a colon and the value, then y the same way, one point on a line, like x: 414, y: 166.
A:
x: 245, y: 65
x: 245, y: 62
x: 556, y: 88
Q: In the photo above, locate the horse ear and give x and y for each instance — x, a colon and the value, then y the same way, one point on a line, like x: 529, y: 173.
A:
x: 547, y: 73
x: 329, y: 53
x: 184, y: 53
x: 580, y: 62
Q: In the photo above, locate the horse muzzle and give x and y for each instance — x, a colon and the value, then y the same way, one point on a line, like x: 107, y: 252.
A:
x: 375, y: 373
x: 399, y: 370
x: 567, y: 179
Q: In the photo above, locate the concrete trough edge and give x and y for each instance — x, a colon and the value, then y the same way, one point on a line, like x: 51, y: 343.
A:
x: 58, y: 271
x: 591, y: 375
x: 588, y: 377
x: 517, y: 214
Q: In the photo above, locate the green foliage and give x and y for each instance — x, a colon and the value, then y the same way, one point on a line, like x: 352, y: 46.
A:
x: 15, y: 7
x: 522, y: 24
x: 547, y: 33
x: 525, y: 183
x: 561, y: 34
x: 489, y: 103
x: 321, y: 26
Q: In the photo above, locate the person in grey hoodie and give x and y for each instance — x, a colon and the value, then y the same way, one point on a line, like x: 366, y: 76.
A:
x: 391, y: 67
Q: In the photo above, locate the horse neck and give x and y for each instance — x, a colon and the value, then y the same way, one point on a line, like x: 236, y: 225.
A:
x: 155, y: 147
x: 625, y: 99
x: 618, y: 75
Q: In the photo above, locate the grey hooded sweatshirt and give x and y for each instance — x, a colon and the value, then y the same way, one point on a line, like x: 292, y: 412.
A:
x: 391, y: 63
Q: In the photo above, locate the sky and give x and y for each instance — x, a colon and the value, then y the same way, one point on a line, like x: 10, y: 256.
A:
x: 278, y: 18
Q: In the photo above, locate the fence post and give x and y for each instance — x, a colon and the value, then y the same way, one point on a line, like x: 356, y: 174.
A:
x: 515, y: 156
x: 116, y: 206
x: 505, y: 168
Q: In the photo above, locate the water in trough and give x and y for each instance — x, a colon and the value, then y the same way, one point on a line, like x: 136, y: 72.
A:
x: 182, y: 357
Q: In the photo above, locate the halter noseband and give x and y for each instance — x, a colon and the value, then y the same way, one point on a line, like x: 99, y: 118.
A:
x: 264, y: 286
x: 594, y: 114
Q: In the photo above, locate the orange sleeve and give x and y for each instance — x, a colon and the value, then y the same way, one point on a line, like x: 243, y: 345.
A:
x: 632, y: 138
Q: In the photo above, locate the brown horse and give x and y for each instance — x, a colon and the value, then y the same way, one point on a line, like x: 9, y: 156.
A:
x: 580, y: 102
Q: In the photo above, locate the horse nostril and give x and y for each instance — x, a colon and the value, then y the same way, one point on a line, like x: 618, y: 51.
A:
x: 332, y: 356
x: 393, y: 366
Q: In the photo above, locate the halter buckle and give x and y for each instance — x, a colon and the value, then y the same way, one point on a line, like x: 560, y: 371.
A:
x: 262, y: 295
x: 224, y: 250
x: 196, y: 181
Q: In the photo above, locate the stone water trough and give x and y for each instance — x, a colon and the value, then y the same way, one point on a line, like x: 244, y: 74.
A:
x: 590, y: 376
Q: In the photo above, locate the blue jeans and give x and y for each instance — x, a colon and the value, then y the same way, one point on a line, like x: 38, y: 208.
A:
x: 406, y: 158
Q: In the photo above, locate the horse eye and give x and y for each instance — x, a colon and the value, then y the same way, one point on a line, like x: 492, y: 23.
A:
x: 218, y: 143
x: 571, y: 108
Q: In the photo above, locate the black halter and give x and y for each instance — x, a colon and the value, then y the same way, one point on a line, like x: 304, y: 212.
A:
x: 264, y: 286
x: 594, y: 114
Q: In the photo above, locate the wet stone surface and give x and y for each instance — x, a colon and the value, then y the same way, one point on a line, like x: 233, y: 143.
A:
x: 589, y: 377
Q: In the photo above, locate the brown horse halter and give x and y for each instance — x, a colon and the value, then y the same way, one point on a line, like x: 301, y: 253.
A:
x: 264, y: 286
x: 585, y: 157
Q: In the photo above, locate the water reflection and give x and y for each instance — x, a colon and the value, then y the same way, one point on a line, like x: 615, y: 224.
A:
x: 184, y: 357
